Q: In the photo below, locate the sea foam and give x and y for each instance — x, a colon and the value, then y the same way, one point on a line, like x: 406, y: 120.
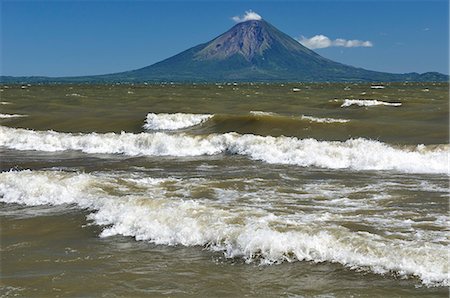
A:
x: 356, y: 154
x: 174, y: 121
x: 6, y: 116
x: 324, y: 120
x: 154, y: 216
x: 262, y: 113
x: 368, y: 103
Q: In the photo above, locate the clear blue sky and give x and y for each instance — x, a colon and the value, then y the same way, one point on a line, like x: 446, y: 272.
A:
x: 66, y: 38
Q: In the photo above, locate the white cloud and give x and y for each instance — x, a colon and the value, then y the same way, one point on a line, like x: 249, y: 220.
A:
x: 249, y: 15
x: 315, y: 42
x: 322, y: 41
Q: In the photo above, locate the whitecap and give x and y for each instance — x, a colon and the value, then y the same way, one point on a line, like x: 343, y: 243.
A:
x: 75, y: 95
x: 174, y: 121
x: 356, y: 154
x: 252, y: 235
x: 324, y: 120
x: 6, y: 116
x: 368, y: 103
x: 261, y: 113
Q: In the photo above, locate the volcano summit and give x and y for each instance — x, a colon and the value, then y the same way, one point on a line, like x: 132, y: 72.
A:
x: 252, y: 50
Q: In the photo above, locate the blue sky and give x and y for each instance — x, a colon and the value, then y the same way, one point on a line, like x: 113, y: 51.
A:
x: 67, y: 38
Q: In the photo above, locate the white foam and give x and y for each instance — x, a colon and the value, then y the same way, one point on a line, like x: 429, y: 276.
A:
x: 5, y: 103
x: 324, y: 120
x: 75, y: 95
x: 174, y: 121
x: 368, y: 103
x: 303, y: 117
x: 377, y: 87
x: 243, y: 232
x: 261, y: 113
x: 6, y: 116
x: 357, y: 154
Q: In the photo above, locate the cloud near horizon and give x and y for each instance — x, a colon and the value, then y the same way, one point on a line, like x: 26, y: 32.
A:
x: 321, y: 41
x: 249, y: 15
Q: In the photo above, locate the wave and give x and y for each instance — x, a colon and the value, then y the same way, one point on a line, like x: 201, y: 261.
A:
x: 324, y: 120
x: 261, y: 113
x: 152, y: 215
x: 7, y: 116
x: 174, y: 121
x: 368, y: 103
x: 75, y: 95
x: 271, y: 115
x: 356, y: 154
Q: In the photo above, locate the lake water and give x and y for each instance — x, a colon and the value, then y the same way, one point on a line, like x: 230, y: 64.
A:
x: 327, y: 190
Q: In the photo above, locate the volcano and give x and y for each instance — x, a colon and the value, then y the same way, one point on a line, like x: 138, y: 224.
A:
x: 253, y: 50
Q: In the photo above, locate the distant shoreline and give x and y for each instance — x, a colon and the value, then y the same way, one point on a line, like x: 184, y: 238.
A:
x: 20, y: 81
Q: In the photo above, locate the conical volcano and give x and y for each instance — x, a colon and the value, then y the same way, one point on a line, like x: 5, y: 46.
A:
x: 250, y: 51
x: 255, y: 50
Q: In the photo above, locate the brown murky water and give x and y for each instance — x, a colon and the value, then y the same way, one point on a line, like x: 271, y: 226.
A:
x: 330, y: 190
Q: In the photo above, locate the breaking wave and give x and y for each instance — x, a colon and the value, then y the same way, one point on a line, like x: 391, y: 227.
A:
x: 151, y: 215
x: 368, y: 103
x: 324, y: 120
x: 302, y: 117
x: 174, y: 121
x: 261, y: 113
x: 356, y: 154
x: 7, y: 116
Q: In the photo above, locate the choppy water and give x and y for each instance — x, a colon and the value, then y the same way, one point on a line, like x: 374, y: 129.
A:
x: 324, y: 190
